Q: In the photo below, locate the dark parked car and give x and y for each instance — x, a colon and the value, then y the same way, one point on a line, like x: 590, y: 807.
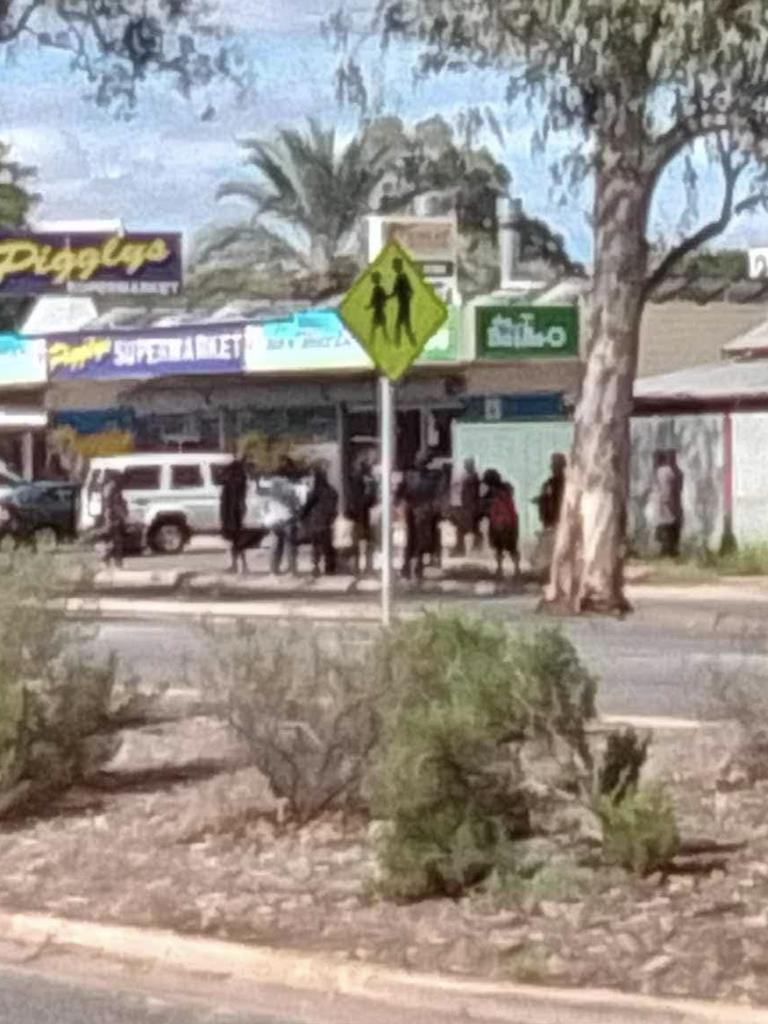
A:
x: 44, y: 512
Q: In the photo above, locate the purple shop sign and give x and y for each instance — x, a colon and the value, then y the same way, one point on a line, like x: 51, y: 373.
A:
x: 160, y: 352
x: 88, y: 263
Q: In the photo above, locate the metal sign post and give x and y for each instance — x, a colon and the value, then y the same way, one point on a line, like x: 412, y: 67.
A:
x: 393, y: 312
x: 387, y: 439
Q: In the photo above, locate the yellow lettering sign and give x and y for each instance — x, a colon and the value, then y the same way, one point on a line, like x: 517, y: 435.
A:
x: 62, y: 265
x: 79, y: 354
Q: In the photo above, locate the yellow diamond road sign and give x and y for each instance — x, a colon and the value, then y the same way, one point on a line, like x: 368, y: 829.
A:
x: 393, y: 311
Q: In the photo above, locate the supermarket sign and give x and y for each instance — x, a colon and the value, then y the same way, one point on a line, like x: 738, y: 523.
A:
x: 160, y: 352
x: 90, y: 263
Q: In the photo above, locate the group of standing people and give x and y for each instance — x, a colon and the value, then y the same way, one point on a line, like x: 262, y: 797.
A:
x: 310, y: 522
x: 425, y: 502
x: 487, y: 497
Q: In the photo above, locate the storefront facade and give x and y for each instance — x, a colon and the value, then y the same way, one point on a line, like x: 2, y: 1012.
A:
x: 495, y: 366
x: 23, y: 418
x: 205, y: 386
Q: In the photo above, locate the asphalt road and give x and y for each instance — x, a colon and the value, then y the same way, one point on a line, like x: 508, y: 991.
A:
x: 32, y: 999
x: 643, y: 670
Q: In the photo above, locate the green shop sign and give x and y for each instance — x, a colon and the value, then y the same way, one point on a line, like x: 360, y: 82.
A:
x: 527, y: 332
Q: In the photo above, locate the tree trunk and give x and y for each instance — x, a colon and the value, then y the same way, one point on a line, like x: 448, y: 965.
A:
x: 587, y: 564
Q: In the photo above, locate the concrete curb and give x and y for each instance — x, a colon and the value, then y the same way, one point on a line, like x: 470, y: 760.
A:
x: 463, y: 998
x: 692, y: 620
x: 148, y: 608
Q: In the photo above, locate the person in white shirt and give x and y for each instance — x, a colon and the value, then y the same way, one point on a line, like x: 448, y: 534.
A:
x: 668, y: 505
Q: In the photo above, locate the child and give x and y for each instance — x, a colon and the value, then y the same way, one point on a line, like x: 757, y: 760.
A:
x: 503, y: 523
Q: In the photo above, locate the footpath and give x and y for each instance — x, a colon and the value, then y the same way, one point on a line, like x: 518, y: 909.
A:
x: 730, y: 606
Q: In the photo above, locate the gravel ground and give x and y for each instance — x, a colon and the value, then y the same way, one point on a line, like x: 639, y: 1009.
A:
x: 211, y: 858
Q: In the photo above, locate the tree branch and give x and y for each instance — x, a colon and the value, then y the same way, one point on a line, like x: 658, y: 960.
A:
x: 8, y: 34
x: 731, y: 173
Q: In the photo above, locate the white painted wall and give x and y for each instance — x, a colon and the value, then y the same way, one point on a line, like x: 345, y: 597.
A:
x: 750, y: 476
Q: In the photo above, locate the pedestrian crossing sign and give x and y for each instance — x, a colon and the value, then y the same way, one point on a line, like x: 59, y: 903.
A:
x: 393, y: 311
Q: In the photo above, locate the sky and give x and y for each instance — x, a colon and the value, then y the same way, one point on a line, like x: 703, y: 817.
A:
x: 161, y: 171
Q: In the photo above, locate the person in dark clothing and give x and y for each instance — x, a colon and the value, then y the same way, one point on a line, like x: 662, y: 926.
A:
x: 360, y: 502
x: 550, y: 499
x: 402, y: 293
x: 503, y: 521
x: 232, y: 511
x: 417, y: 494
x: 115, y: 517
x: 378, y: 307
x: 317, y: 519
x: 469, y: 514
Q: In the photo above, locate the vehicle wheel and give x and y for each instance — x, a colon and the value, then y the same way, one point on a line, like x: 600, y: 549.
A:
x: 167, y: 538
x: 45, y: 538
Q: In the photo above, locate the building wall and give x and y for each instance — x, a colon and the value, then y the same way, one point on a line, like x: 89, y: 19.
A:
x: 520, y: 451
x: 699, y: 443
x: 750, y: 476
x: 525, y: 376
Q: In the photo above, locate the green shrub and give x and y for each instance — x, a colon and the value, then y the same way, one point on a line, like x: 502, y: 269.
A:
x: 52, y: 695
x: 744, y: 560
x: 305, y: 704
x: 639, y: 832
x: 460, y: 696
x: 623, y: 760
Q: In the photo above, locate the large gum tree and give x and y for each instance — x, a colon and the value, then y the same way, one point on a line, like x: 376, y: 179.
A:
x: 638, y: 84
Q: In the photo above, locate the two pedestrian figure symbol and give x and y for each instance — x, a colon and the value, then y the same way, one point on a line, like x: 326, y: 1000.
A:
x: 402, y: 293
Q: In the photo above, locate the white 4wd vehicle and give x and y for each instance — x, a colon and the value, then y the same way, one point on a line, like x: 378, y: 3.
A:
x: 169, y: 496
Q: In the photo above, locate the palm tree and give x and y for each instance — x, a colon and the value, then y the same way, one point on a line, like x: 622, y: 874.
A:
x: 311, y: 193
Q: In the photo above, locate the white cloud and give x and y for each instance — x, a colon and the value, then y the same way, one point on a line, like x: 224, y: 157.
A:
x: 49, y: 148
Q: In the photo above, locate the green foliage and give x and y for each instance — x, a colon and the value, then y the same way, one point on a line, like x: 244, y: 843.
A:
x: 700, y: 563
x: 744, y: 560
x: 116, y: 47
x: 623, y: 760
x: 639, y: 832
x: 460, y: 695
x: 729, y: 264
x: 52, y: 696
x: 643, y: 77
x: 314, y: 193
x: 266, y: 454
x: 305, y: 704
